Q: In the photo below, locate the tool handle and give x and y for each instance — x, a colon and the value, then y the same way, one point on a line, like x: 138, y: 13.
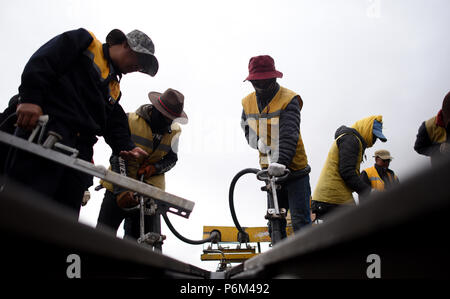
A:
x: 43, y: 118
x: 263, y: 175
x: 42, y: 121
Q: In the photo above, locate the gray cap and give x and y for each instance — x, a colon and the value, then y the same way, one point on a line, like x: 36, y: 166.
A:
x: 139, y: 42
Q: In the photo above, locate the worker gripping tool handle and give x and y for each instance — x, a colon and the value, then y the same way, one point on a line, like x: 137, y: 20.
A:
x: 271, y: 181
x: 263, y: 175
x: 52, y: 137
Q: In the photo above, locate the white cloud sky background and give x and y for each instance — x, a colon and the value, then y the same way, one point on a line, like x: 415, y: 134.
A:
x: 347, y: 59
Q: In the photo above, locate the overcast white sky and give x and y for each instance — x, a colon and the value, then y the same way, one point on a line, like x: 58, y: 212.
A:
x: 347, y: 59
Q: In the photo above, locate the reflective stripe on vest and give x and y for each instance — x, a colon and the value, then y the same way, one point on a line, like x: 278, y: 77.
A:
x: 142, y: 136
x: 375, y: 180
x: 144, y: 142
x: 265, y: 125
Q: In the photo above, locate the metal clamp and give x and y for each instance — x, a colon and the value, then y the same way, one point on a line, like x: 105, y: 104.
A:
x: 223, y: 264
x: 152, y: 239
x: 150, y: 207
x: 51, y: 140
x: 272, y: 214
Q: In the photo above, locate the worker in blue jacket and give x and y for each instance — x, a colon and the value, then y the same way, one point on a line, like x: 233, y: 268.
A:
x: 74, y: 79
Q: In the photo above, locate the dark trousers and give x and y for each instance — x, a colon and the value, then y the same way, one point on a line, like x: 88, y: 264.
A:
x: 294, y: 196
x: 111, y: 215
x: 59, y: 183
x: 323, y: 209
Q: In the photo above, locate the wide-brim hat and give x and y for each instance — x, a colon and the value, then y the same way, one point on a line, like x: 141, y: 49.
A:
x: 383, y: 154
x: 262, y: 67
x: 140, y: 43
x: 170, y: 103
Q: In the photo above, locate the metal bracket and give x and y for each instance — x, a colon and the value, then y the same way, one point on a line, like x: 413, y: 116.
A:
x: 174, y: 204
x: 150, y: 208
x: 152, y: 239
x: 273, y: 214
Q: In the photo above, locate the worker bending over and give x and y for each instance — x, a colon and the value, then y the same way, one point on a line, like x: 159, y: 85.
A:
x: 340, y: 173
x: 154, y: 128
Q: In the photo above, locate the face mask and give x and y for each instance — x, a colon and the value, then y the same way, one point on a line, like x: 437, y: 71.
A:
x: 263, y: 86
x: 159, y: 121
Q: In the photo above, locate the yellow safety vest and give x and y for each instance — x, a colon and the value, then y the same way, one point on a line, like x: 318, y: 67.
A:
x: 436, y: 133
x: 101, y: 65
x: 142, y: 136
x: 265, y: 125
x: 375, y: 180
x: 331, y: 188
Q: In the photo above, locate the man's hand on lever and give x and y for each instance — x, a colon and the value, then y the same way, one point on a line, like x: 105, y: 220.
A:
x: 28, y: 115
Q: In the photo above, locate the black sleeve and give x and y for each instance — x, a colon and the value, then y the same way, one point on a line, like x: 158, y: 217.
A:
x: 117, y: 133
x: 50, y: 62
x: 245, y: 127
x: 365, y: 178
x: 348, y: 158
x: 447, y: 131
x: 289, y: 132
x: 166, y: 163
x: 7, y: 119
x: 396, y: 180
x: 424, y: 145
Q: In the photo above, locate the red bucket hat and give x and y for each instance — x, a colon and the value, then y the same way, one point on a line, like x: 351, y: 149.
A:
x: 262, y: 67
